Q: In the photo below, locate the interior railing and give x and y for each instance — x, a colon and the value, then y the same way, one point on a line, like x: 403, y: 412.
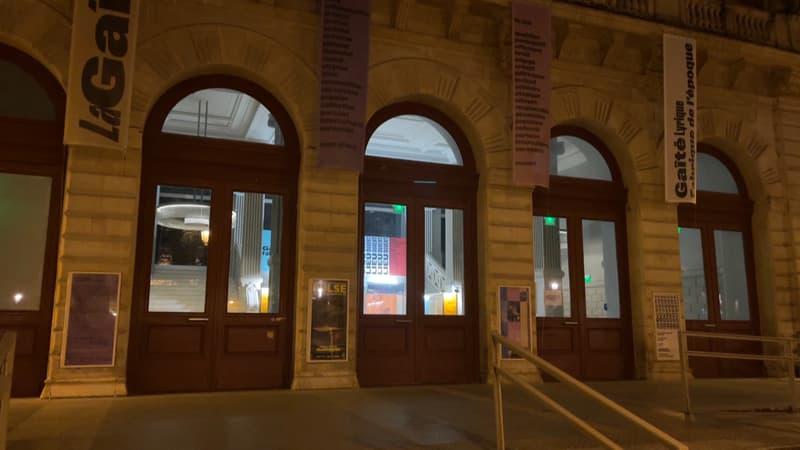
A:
x: 545, y: 367
x: 787, y: 357
x: 8, y: 343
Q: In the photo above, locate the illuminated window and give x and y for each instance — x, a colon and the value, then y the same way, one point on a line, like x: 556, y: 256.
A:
x: 414, y: 138
x: 571, y: 156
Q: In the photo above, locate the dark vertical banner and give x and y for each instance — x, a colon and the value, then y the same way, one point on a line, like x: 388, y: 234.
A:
x: 531, y: 46
x: 680, y: 121
x: 343, y: 83
x: 100, y: 80
x: 92, y: 305
x: 328, y: 320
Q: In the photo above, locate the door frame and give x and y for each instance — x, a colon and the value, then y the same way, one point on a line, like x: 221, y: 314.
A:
x: 35, y: 147
x: 204, y: 162
x: 578, y: 199
x: 393, y: 180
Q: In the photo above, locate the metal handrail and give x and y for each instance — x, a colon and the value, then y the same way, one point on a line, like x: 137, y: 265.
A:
x: 555, y: 372
x: 8, y: 343
x: 788, y: 357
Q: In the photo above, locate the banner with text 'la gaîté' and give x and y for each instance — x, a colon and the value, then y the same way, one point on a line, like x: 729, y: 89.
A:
x: 680, y: 119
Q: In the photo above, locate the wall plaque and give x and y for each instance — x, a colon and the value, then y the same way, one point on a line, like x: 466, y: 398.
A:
x: 531, y: 47
x: 668, y: 324
x: 328, y: 320
x: 515, y: 316
x: 343, y: 83
x: 91, y: 319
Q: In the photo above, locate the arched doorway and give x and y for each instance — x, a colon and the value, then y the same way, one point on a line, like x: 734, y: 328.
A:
x: 32, y: 161
x: 719, y: 288
x: 418, y: 291
x: 580, y: 260
x: 214, y: 278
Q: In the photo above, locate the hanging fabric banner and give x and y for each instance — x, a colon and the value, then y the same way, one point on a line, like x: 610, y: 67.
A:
x: 343, y: 83
x: 531, y: 49
x: 680, y: 125
x: 100, y: 81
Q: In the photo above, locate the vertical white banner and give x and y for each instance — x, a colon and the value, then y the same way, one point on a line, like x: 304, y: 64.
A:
x: 100, y: 81
x: 680, y: 119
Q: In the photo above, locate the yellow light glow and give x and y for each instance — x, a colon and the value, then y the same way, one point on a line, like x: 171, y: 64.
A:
x: 204, y: 235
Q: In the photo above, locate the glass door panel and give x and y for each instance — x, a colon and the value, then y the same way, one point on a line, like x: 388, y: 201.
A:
x: 551, y: 267
x: 180, y: 250
x: 24, y: 218
x: 600, y: 270
x: 695, y: 300
x: 385, y: 256
x: 255, y: 253
x: 444, y: 262
x: 734, y: 302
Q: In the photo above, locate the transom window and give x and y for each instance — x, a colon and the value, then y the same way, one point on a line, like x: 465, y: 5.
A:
x: 571, y: 156
x: 21, y: 96
x: 223, y: 114
x: 714, y: 175
x: 414, y: 138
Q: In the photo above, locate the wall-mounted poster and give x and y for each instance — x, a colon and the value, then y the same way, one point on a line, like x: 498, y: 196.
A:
x: 91, y: 322
x: 328, y: 320
x: 515, y: 316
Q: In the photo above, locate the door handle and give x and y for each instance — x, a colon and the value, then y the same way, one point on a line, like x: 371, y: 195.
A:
x: 571, y: 323
x: 710, y: 325
x: 198, y: 319
x: 278, y: 319
x: 402, y: 320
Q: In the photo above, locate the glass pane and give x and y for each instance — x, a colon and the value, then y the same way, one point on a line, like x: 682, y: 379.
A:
x: 414, y: 138
x: 384, y: 258
x: 255, y: 259
x: 715, y: 175
x: 223, y: 114
x: 444, y: 262
x: 573, y: 157
x: 180, y: 250
x: 22, y: 96
x: 551, y: 267
x: 693, y: 274
x: 24, y: 214
x: 600, y: 269
x: 733, y: 296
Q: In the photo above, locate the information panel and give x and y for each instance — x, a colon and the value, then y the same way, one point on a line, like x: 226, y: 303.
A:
x: 328, y: 320
x: 92, y: 305
x: 515, y: 316
x: 531, y: 46
x: 680, y: 121
x: 668, y: 324
x: 343, y: 83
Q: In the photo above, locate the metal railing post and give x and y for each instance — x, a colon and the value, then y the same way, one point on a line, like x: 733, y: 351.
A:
x: 789, y: 354
x: 683, y: 346
x: 498, y: 397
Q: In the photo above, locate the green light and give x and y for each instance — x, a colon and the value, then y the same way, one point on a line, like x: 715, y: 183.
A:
x: 550, y: 221
x: 679, y: 230
x: 399, y: 209
x: 587, y: 279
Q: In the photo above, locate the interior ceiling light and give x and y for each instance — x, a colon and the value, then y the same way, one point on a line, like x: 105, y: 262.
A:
x: 186, y: 216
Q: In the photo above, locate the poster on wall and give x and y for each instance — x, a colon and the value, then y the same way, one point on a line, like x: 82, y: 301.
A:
x: 328, y: 320
x: 531, y: 50
x: 680, y: 119
x: 91, y: 319
x: 668, y: 324
x: 101, y: 73
x: 343, y: 83
x: 515, y: 316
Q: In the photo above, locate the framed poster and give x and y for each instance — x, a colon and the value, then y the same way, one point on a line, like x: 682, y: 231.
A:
x: 91, y: 319
x: 327, y: 320
x: 515, y: 316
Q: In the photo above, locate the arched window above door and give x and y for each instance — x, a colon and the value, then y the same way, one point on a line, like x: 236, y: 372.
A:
x: 571, y: 156
x: 414, y: 138
x: 223, y: 114
x: 22, y: 96
x: 714, y: 176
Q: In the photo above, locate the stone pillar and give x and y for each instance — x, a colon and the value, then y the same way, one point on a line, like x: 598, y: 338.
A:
x: 98, y: 234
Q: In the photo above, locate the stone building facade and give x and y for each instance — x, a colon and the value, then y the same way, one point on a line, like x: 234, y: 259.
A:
x: 454, y: 56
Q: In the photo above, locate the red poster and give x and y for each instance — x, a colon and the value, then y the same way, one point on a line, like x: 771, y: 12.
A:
x: 397, y: 256
x: 531, y: 48
x: 343, y: 83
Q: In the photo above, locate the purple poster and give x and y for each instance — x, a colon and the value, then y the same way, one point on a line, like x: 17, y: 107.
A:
x: 531, y: 47
x: 343, y: 83
x: 92, y: 306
